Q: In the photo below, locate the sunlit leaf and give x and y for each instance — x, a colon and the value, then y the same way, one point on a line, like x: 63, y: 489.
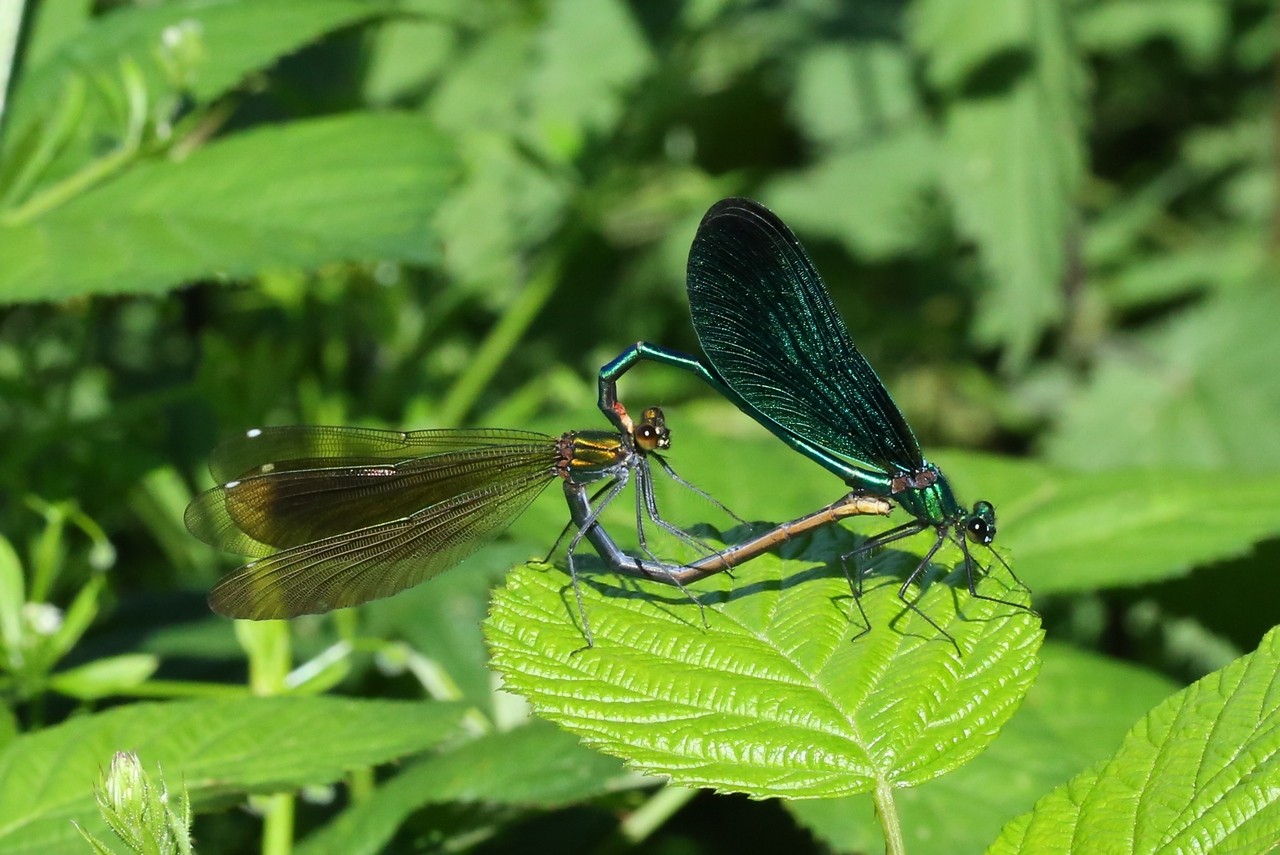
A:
x: 1198, y: 773
x: 1014, y: 146
x: 531, y: 766
x: 869, y: 195
x: 1195, y: 393
x: 590, y: 53
x: 235, y: 37
x: 775, y: 696
x: 1084, y: 531
x: 1078, y: 710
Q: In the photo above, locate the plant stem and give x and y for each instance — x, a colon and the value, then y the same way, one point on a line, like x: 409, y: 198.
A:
x: 361, y: 784
x: 277, y: 827
x: 96, y: 171
x: 664, y: 804
x: 267, y: 643
x: 501, y: 341
x: 887, y: 811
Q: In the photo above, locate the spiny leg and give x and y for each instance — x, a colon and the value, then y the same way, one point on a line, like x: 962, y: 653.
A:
x: 856, y: 578
x: 611, y: 490
x: 666, y: 467
x: 675, y: 530
x: 646, y: 500
x: 569, y: 525
x: 971, y: 579
x: 916, y: 574
x: 649, y: 508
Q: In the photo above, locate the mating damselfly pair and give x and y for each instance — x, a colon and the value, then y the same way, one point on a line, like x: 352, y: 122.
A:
x: 336, y: 516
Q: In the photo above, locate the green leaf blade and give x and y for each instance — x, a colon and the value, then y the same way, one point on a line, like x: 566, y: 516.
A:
x: 235, y: 37
x: 1198, y: 773
x: 351, y: 188
x: 774, y: 698
x: 1077, y: 712
x: 534, y: 766
x: 1014, y: 149
x: 1082, y: 531
x: 216, y: 748
x: 1189, y: 388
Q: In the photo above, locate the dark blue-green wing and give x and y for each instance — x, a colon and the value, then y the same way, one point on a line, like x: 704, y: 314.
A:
x: 769, y: 328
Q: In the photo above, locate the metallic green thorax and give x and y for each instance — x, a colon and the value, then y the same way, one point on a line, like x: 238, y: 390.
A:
x: 931, y: 500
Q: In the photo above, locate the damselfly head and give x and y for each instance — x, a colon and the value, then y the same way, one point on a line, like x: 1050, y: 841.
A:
x: 652, y: 432
x: 981, y: 524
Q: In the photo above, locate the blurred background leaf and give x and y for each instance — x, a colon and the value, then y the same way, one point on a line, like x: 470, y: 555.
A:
x: 141, y: 232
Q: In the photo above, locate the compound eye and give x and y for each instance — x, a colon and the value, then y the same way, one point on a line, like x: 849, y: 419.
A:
x: 647, y: 437
x: 981, y: 531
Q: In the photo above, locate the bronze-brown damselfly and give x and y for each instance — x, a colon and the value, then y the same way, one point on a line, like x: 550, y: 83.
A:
x: 338, y: 516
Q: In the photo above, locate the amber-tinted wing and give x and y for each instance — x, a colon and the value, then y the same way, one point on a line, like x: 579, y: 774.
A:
x: 317, y: 446
x: 333, y: 480
x: 379, y: 560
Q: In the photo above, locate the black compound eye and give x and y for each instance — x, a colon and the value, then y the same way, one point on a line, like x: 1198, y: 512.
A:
x: 980, y: 530
x: 981, y: 524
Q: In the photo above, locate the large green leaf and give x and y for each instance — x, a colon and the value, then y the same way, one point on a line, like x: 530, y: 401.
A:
x: 775, y: 696
x: 215, y: 748
x: 1197, y: 774
x: 1014, y: 149
x: 1078, y: 710
x: 355, y: 187
x: 535, y: 766
x: 235, y: 37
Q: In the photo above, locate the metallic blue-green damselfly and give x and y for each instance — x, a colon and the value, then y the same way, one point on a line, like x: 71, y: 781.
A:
x: 777, y: 348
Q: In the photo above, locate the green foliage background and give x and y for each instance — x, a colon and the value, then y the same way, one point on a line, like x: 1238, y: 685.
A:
x: 1051, y: 226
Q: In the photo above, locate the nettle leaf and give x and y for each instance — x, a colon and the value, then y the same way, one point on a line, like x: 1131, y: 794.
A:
x: 129, y: 74
x: 234, y: 38
x: 1078, y: 531
x: 775, y: 696
x: 216, y: 748
x: 351, y: 188
x: 1014, y: 148
x: 853, y: 91
x: 1077, y: 712
x: 1197, y: 774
